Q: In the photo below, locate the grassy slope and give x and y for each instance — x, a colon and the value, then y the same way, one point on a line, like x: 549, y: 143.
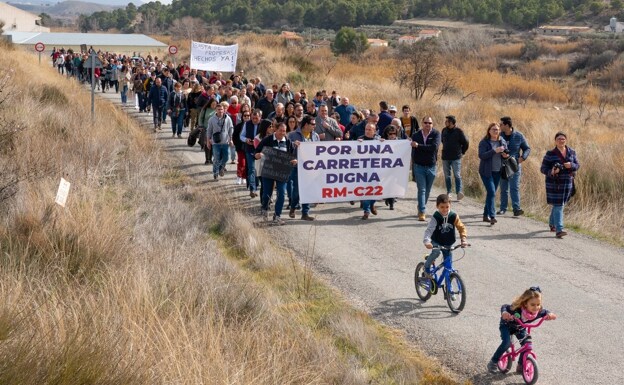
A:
x: 143, y: 279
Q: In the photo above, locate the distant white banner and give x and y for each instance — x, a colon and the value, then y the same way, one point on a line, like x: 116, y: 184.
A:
x: 353, y: 171
x: 210, y: 57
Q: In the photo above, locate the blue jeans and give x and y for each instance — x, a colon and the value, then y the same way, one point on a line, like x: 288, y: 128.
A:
x: 177, y: 123
x: 506, y: 341
x: 124, y: 94
x: 455, y: 165
x: 435, y: 253
x: 366, y: 205
x: 556, y: 217
x: 491, y: 184
x: 157, y: 111
x: 424, y: 180
x: 220, y: 153
x: 293, y: 186
x: 232, y: 153
x: 267, y: 185
x: 251, y: 171
x: 511, y: 187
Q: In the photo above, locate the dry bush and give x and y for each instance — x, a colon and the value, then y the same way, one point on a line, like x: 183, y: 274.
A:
x: 509, y: 87
x: 613, y: 75
x: 504, y: 51
x: 562, y: 48
x: 544, y: 69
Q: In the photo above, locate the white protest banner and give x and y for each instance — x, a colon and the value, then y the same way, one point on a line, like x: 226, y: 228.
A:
x: 352, y: 170
x: 63, y: 192
x: 210, y: 57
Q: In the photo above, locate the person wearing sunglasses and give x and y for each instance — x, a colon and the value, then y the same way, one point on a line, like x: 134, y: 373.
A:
x: 425, y: 144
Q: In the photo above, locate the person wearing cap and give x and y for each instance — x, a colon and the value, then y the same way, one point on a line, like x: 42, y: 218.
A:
x: 559, y: 166
x: 454, y: 146
x: 385, y: 118
x: 519, y: 149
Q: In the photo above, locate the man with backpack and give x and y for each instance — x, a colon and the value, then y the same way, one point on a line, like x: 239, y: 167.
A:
x: 138, y: 85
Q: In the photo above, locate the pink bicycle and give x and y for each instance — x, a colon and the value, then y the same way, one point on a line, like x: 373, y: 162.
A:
x: 529, y: 359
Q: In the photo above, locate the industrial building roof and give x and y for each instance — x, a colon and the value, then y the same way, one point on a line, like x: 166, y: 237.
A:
x: 90, y: 39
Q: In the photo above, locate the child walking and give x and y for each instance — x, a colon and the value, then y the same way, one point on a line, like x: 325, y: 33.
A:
x: 527, y: 307
x: 441, y: 230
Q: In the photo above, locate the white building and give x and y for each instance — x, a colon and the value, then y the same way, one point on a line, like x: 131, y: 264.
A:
x: 16, y: 19
x: 408, y: 39
x: 429, y: 33
x: 619, y: 27
x: 377, y: 42
x: 562, y: 30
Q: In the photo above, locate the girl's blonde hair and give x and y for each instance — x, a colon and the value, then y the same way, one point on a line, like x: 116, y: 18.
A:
x: 525, y: 297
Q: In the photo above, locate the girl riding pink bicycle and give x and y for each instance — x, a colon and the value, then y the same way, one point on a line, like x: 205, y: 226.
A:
x: 526, y: 308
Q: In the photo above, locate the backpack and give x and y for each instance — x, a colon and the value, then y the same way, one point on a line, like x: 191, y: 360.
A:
x: 138, y: 84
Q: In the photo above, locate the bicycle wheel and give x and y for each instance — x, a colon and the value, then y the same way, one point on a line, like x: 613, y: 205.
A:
x: 505, y: 363
x: 423, y: 284
x: 529, y: 371
x: 455, y: 293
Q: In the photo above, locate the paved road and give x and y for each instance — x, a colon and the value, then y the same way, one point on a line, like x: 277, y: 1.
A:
x: 372, y: 263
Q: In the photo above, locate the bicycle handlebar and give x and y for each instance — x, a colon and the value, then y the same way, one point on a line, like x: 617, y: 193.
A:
x: 450, y: 248
x: 530, y: 325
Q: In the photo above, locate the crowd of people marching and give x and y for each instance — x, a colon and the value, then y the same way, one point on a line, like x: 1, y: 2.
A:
x: 234, y: 118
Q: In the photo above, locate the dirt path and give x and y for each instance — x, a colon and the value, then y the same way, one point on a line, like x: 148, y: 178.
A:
x: 372, y: 263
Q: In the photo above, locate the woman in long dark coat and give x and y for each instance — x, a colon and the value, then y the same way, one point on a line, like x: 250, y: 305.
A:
x: 559, y: 165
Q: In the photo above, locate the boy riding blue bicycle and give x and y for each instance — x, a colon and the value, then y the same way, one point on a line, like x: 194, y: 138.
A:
x: 440, y: 231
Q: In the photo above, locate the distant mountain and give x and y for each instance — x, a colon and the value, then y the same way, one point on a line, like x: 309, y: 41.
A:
x: 66, y: 9
x: 51, y: 3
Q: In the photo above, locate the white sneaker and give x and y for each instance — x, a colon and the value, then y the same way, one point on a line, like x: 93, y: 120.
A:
x: 239, y: 180
x: 450, y: 196
x: 460, y: 196
x: 244, y: 182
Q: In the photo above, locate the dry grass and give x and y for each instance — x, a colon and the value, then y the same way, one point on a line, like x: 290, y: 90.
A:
x: 504, y: 51
x: 544, y: 69
x: 126, y: 285
x: 561, y: 48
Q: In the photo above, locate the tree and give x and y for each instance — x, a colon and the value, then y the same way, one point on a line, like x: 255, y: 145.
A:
x: 349, y: 42
x: 46, y: 20
x: 190, y: 28
x: 419, y: 67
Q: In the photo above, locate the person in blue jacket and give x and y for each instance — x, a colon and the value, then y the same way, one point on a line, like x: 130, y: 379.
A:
x: 158, y: 97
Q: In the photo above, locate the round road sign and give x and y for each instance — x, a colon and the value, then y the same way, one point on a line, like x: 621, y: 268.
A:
x: 173, y: 49
x: 39, y: 47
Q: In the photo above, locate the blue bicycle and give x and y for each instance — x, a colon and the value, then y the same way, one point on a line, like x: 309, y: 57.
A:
x: 442, y: 276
